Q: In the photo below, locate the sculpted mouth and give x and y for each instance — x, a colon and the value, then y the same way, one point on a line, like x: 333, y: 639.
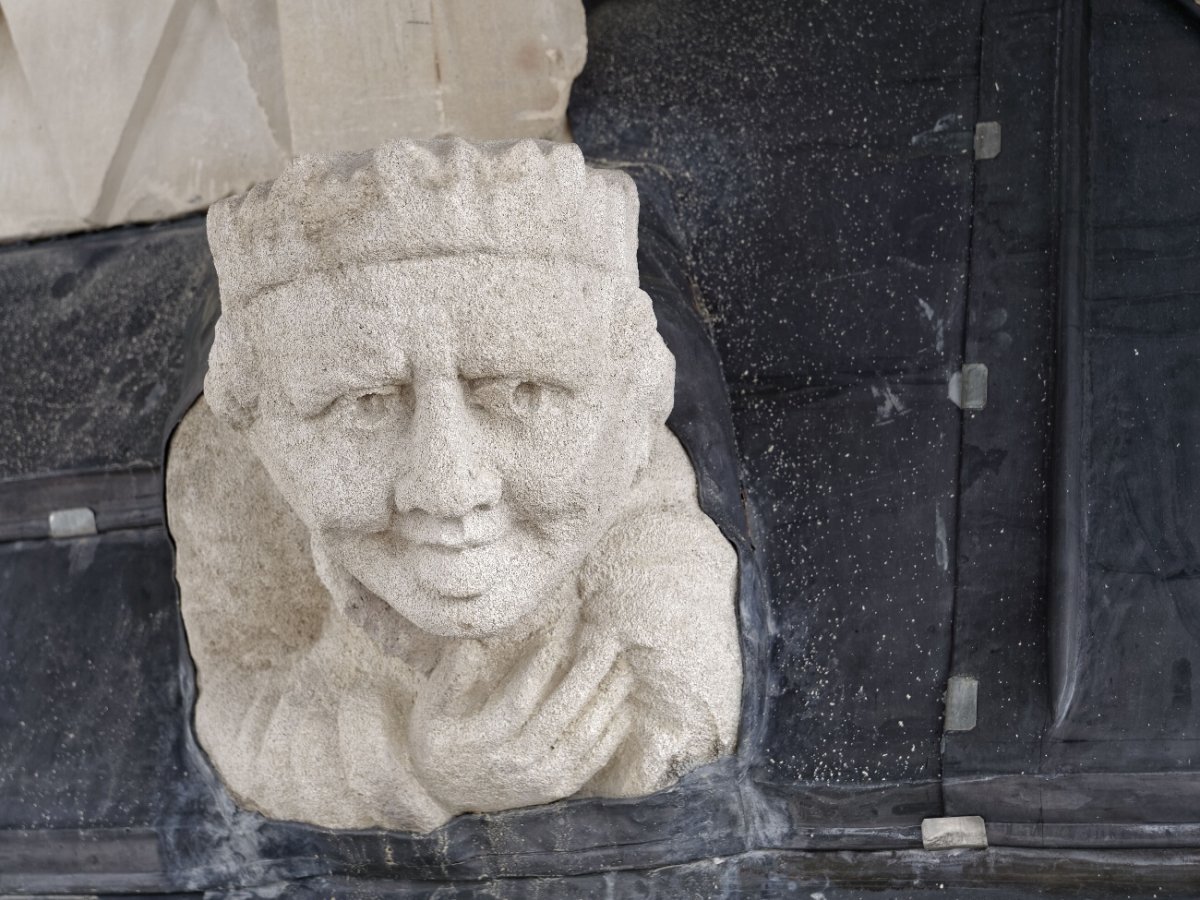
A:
x: 452, y: 547
x: 371, y: 597
x: 455, y: 543
x: 452, y: 558
x: 453, y: 536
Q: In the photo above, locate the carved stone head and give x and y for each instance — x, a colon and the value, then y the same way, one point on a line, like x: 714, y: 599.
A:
x: 439, y: 553
x: 440, y: 353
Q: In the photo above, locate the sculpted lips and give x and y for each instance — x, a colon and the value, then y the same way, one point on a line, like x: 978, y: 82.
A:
x: 449, y: 557
x: 472, y: 531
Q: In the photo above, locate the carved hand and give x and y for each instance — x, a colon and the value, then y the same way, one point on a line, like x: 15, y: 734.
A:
x: 530, y: 741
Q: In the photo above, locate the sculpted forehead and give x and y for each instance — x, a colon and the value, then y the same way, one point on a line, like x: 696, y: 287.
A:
x: 481, y: 315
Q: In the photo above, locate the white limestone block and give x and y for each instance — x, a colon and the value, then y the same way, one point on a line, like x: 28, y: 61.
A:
x: 34, y: 194
x: 254, y: 27
x: 125, y: 110
x: 190, y: 149
x: 438, y: 552
x: 86, y: 73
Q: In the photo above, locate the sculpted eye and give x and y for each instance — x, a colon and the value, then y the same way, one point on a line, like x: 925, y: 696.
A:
x: 376, y: 408
x: 510, y: 396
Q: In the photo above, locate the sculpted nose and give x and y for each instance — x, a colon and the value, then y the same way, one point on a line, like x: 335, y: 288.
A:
x: 447, y: 475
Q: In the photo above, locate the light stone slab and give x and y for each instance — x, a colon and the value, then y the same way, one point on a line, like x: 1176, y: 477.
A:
x: 962, y: 696
x: 254, y: 27
x: 126, y: 111
x: 86, y: 73
x: 186, y: 143
x: 78, y: 521
x: 428, y: 68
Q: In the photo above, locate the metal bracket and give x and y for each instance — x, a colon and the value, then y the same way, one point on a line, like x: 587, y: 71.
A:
x: 76, y: 522
x: 954, y: 833
x: 962, y: 695
x: 968, y: 387
x: 987, y: 140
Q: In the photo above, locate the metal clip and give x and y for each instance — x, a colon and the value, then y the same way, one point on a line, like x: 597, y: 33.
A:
x: 987, y: 140
x: 954, y: 833
x: 76, y: 522
x: 962, y: 694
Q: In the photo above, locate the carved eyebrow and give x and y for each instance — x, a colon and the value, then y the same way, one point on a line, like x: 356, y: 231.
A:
x: 569, y: 379
x: 311, y: 396
x: 546, y: 363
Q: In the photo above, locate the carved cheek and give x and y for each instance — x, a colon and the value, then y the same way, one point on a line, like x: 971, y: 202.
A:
x: 358, y: 477
x: 331, y: 481
x: 558, y: 471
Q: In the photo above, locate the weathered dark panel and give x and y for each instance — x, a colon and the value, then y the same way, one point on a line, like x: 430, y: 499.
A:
x: 1140, y: 623
x: 92, y: 335
x: 1110, y: 736
x: 1003, y: 540
x: 92, y: 713
x: 822, y: 163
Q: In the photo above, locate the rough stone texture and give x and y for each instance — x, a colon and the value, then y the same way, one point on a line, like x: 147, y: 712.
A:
x: 481, y: 70
x: 93, y: 337
x: 131, y: 112
x: 441, y: 554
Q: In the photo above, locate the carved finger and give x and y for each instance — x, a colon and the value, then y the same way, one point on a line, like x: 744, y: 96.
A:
x: 378, y: 766
x: 577, y: 689
x: 514, y: 701
x: 584, y: 766
x: 446, y: 692
x: 590, y: 725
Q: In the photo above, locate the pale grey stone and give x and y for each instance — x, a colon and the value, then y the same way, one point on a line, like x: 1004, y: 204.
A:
x: 79, y: 521
x: 987, y: 140
x: 438, y: 552
x: 85, y: 71
x: 123, y: 111
x: 428, y: 68
x: 968, y: 387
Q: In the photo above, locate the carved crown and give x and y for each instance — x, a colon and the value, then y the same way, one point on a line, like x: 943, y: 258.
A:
x: 413, y: 199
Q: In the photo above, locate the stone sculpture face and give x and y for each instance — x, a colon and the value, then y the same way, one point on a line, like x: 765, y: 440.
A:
x: 457, y: 432
x: 466, y: 569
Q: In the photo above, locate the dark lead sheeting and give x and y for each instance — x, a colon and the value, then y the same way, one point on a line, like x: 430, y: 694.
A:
x: 1086, y: 679
x: 92, y: 733
x: 92, y: 342
x: 823, y: 165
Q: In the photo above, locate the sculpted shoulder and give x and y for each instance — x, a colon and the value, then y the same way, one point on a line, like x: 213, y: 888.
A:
x: 664, y: 572
x: 664, y: 580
